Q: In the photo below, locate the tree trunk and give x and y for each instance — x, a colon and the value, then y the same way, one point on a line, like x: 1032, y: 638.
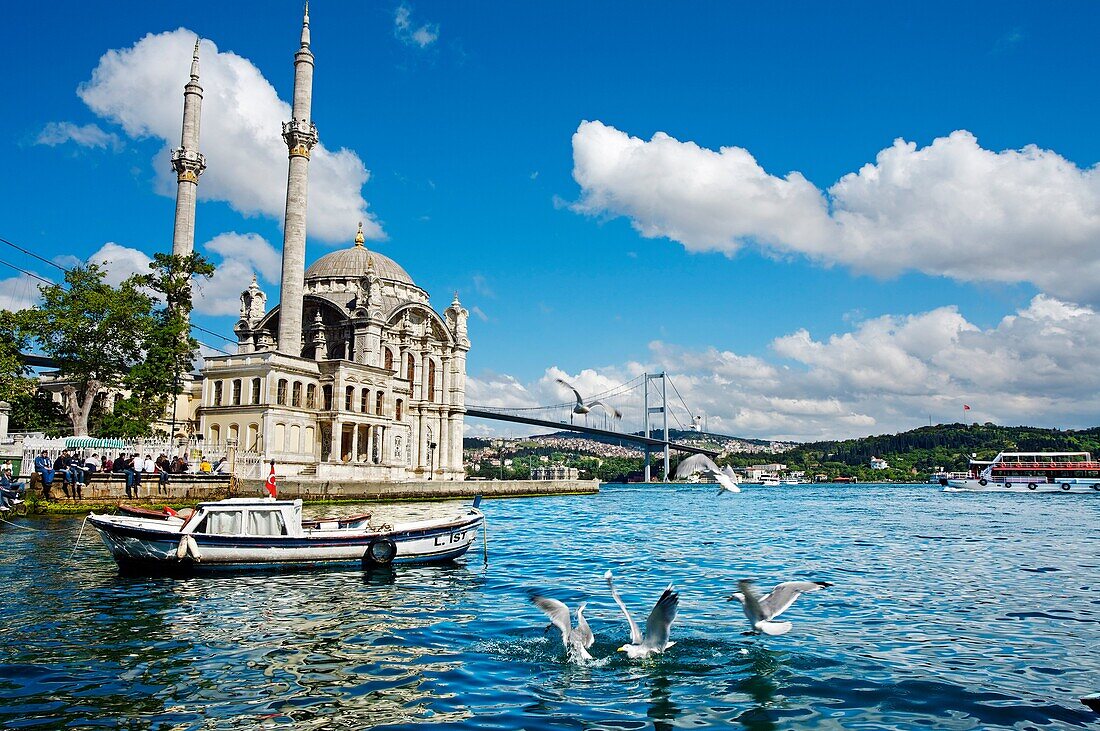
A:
x: 78, y: 410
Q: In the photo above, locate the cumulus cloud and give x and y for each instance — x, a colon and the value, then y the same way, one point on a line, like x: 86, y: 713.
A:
x: 19, y: 292
x: 141, y: 89
x: 409, y: 33
x: 242, y: 256
x: 885, y: 375
x: 88, y: 135
x: 951, y: 208
x: 120, y: 262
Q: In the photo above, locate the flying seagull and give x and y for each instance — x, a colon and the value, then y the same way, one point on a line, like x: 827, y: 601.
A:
x: 725, y: 484
x: 657, y: 626
x: 576, y: 640
x: 582, y: 408
x: 762, y: 610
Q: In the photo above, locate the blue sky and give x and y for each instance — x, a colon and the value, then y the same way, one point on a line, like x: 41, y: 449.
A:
x: 465, y: 117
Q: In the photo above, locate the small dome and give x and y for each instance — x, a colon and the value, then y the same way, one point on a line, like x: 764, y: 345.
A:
x: 352, y: 263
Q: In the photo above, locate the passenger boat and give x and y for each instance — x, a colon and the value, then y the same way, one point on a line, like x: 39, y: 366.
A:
x: 1072, y: 472
x: 249, y: 533
x: 770, y: 481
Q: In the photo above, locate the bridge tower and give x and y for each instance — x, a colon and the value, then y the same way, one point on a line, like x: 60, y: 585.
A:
x: 663, y: 411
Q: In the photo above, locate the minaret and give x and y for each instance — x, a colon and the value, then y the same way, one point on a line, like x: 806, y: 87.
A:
x: 188, y: 163
x: 300, y: 135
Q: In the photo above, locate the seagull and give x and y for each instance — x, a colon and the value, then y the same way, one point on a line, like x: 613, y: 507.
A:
x: 657, y: 626
x: 725, y: 484
x: 582, y: 408
x: 761, y: 610
x: 576, y: 640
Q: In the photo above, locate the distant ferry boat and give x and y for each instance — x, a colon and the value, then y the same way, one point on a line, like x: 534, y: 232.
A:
x: 769, y: 481
x: 1073, y: 472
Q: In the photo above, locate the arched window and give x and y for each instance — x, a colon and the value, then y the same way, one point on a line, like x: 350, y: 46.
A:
x: 236, y: 392
x: 379, y: 402
x: 255, y: 391
x: 364, y: 401
x: 280, y: 392
x: 215, y: 432
x: 349, y: 395
x: 398, y: 409
x: 296, y: 394
x: 389, y: 359
x: 429, y: 394
x: 311, y: 396
x: 326, y: 392
x: 217, y: 394
x: 234, y: 431
x: 410, y: 369
x: 251, y: 436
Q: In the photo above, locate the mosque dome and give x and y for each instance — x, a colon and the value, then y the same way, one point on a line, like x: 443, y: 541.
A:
x: 353, y: 263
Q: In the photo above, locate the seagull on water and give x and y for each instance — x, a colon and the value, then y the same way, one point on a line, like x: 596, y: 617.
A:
x: 577, y: 639
x: 762, y: 610
x: 725, y: 484
x: 583, y: 408
x: 657, y: 626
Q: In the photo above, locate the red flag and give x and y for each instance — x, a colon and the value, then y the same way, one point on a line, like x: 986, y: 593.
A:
x: 270, y: 484
x: 965, y: 408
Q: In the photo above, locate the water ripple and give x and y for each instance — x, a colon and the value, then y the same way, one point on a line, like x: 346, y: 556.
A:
x: 948, y: 612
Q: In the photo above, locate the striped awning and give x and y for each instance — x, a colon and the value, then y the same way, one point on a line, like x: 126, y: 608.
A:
x: 93, y: 443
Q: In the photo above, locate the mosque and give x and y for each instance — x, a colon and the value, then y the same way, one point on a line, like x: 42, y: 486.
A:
x: 353, y: 375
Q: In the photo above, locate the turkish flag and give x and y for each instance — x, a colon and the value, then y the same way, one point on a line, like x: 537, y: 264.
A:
x: 965, y: 408
x: 270, y: 484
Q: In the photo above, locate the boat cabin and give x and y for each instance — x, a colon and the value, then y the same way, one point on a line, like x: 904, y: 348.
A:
x: 1047, y: 466
x: 247, y: 516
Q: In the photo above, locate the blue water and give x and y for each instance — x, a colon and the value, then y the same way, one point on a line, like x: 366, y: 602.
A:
x: 949, y: 611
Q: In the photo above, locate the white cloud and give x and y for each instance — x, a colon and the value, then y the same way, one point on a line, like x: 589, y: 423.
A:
x: 242, y: 257
x: 403, y: 28
x: 951, y: 208
x: 19, y: 292
x: 141, y: 89
x: 888, y: 374
x: 88, y: 135
x: 120, y: 262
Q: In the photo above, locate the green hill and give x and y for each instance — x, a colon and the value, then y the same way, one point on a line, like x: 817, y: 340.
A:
x: 914, y: 454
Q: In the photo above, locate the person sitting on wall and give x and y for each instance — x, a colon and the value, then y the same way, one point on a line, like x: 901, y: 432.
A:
x: 205, y: 466
x: 11, y: 492
x: 124, y: 466
x: 179, y: 466
x: 43, y: 466
x: 163, y: 467
x: 61, y: 467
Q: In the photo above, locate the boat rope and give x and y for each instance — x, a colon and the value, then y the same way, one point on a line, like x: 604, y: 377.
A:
x: 78, y: 537
x: 34, y: 530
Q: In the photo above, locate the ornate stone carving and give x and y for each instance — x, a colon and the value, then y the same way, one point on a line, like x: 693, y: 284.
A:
x: 188, y: 164
x: 300, y: 137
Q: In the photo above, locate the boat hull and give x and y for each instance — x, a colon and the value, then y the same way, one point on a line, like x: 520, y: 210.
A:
x: 138, y: 545
x: 1068, y: 486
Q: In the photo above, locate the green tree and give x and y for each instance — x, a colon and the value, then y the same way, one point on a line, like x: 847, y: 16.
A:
x: 169, y: 349
x: 93, y: 331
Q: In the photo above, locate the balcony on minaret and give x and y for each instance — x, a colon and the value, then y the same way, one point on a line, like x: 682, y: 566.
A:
x: 188, y: 164
x: 300, y: 137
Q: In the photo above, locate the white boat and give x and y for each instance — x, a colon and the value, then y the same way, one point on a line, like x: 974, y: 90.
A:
x: 1061, y: 472
x: 769, y: 481
x: 246, y: 533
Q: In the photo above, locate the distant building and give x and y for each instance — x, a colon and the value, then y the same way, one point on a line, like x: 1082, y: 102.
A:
x: 555, y: 472
x: 877, y: 463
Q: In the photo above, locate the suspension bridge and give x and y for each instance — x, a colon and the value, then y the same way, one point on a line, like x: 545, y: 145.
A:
x: 646, y: 395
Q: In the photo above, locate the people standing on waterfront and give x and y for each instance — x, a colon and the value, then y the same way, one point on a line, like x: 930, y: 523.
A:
x: 44, y: 467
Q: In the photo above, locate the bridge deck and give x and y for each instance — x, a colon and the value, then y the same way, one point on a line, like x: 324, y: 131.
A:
x: 635, y: 438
